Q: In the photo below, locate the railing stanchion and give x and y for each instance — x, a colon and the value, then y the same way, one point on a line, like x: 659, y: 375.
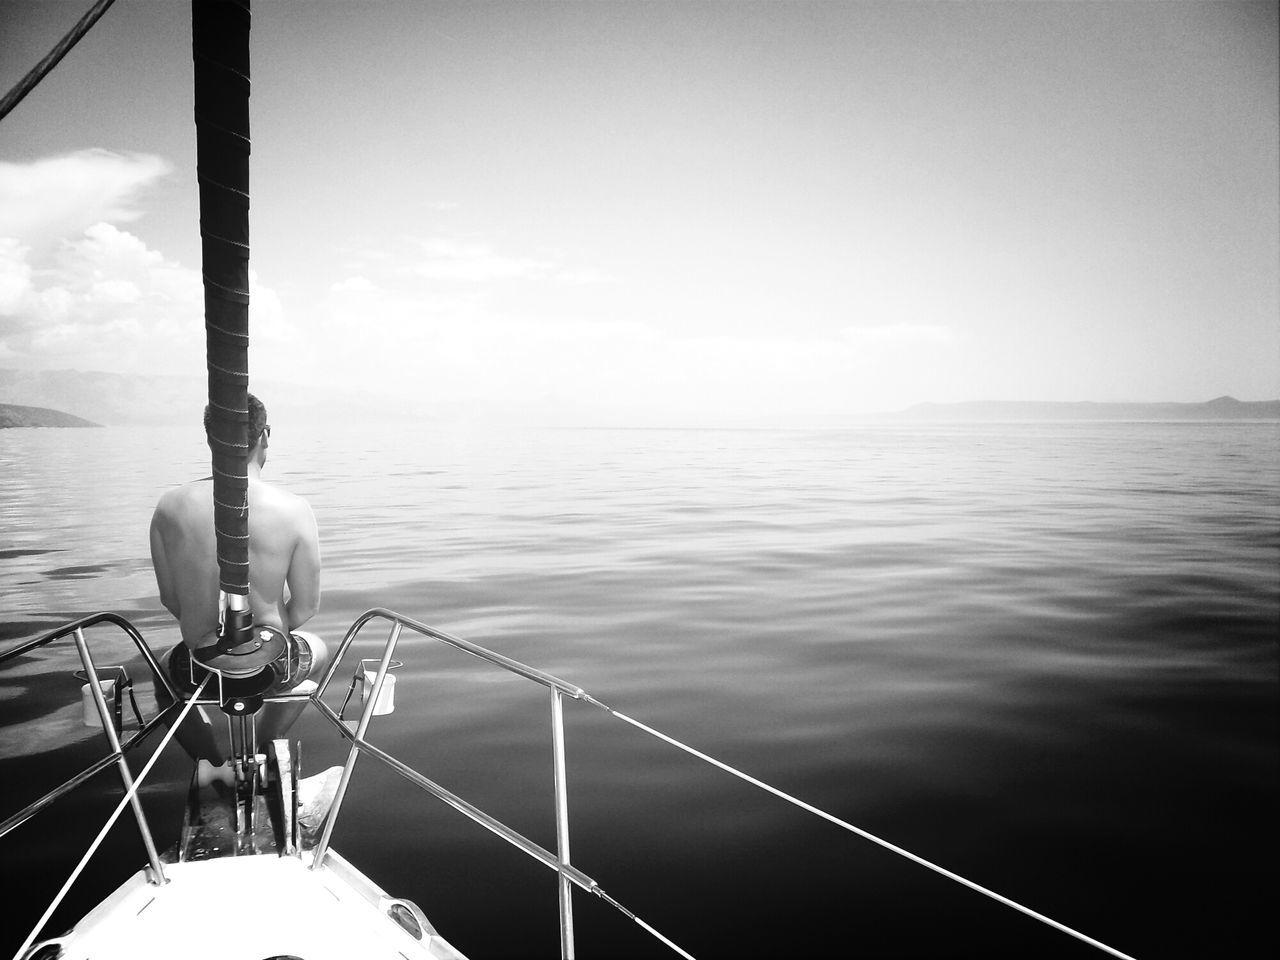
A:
x: 568, y: 875
x: 562, y: 825
x: 383, y: 665
x: 109, y: 728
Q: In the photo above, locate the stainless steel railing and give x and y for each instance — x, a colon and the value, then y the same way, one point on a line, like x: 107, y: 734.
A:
x: 76, y: 629
x: 568, y: 875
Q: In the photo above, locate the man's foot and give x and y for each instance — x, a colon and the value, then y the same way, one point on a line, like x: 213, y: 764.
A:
x: 210, y: 774
x: 315, y: 797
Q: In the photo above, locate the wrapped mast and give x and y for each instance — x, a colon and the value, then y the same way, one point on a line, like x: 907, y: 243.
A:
x: 220, y: 50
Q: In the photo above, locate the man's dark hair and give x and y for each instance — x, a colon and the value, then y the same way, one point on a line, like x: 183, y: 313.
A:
x: 257, y: 420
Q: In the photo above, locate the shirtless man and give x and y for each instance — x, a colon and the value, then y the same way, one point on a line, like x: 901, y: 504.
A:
x: 284, y: 584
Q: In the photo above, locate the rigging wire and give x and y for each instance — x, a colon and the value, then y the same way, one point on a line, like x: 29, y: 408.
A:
x: 60, y: 50
x: 892, y: 848
x: 115, y: 815
x: 647, y: 927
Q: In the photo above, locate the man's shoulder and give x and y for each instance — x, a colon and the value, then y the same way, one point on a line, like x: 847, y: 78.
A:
x: 278, y: 498
x: 183, y: 495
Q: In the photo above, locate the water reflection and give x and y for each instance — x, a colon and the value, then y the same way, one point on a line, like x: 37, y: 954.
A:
x: 1032, y: 652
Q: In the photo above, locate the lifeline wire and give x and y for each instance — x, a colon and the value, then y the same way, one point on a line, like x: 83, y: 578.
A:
x: 115, y: 815
x: 893, y: 848
x: 648, y: 928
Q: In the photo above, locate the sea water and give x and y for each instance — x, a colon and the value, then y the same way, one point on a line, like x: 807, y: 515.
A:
x: 1041, y: 655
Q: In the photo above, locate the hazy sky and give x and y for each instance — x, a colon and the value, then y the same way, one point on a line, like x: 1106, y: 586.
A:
x: 670, y: 213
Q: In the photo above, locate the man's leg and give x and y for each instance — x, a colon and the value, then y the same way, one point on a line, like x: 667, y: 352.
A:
x: 275, y: 719
x: 309, y: 656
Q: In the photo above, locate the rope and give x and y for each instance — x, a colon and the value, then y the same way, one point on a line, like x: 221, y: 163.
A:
x: 60, y: 50
x: 648, y: 928
x: 663, y: 939
x: 892, y: 848
x: 231, y: 373
x: 115, y: 815
x: 213, y: 62
x: 222, y: 331
x: 203, y: 121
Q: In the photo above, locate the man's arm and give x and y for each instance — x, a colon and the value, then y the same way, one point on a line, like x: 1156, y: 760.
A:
x: 160, y: 562
x: 303, y: 578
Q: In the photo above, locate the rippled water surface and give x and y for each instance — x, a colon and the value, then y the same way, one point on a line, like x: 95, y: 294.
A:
x: 1043, y: 656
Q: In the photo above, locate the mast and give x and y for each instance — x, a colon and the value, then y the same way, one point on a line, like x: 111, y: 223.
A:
x: 220, y: 49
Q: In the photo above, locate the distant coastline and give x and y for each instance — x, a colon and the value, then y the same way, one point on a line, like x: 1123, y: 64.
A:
x: 13, y: 415
x: 116, y: 399
x: 1221, y: 408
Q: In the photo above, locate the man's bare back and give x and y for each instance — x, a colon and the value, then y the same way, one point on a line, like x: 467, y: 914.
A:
x: 284, y: 558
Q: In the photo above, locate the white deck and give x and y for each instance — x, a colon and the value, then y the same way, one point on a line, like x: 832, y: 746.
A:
x: 250, y: 908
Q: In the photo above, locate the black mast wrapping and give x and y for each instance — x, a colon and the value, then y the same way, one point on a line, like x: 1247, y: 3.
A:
x: 220, y: 49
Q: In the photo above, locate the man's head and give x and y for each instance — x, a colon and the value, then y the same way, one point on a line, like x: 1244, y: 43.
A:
x: 257, y: 429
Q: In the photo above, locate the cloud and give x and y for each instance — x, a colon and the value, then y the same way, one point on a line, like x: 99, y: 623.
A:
x: 902, y: 334
x: 15, y: 275
x: 77, y: 290
x: 581, y: 277
x: 466, y: 326
x: 61, y: 196
x: 353, y: 285
x: 268, y: 319
x: 101, y: 300
x: 106, y: 301
x: 467, y: 261
x: 468, y: 355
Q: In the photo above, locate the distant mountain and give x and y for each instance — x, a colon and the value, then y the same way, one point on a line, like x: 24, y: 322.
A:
x: 1222, y: 408
x: 108, y: 398
x: 118, y: 399
x: 12, y: 415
